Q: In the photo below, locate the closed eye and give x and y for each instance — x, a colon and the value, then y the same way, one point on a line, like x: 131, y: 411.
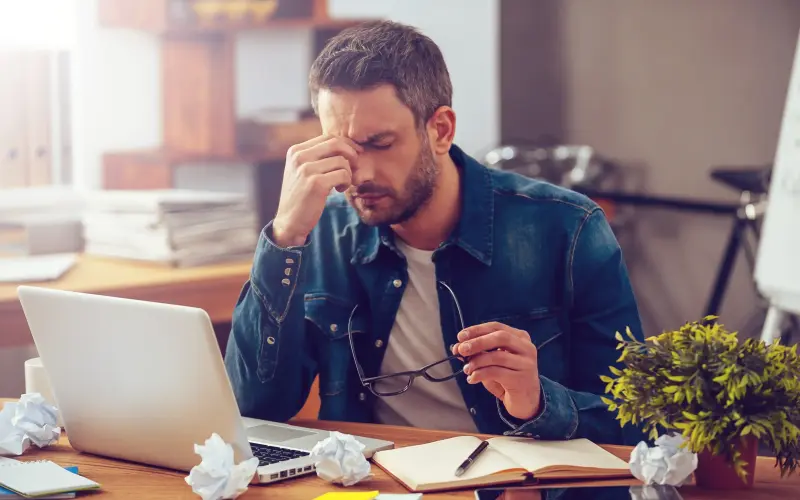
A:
x: 380, y: 142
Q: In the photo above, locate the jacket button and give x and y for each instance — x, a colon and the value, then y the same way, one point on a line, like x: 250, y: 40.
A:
x: 270, y: 340
x: 334, y: 327
x: 362, y: 396
x: 379, y: 343
x: 286, y: 282
x: 290, y: 261
x: 397, y: 283
x: 287, y: 271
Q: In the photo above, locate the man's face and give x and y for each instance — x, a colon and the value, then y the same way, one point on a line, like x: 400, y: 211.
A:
x: 397, y: 171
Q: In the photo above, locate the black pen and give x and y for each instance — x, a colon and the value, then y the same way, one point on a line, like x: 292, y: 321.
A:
x: 471, y: 459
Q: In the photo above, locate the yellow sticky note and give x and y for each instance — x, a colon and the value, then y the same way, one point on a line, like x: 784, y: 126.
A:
x: 349, y: 495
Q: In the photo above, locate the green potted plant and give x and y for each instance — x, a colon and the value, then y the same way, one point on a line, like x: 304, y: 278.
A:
x: 724, y: 396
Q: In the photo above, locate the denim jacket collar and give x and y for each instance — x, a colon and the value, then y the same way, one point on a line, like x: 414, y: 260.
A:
x: 475, y: 227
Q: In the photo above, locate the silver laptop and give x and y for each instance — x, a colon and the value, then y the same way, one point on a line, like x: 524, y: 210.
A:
x: 145, y: 382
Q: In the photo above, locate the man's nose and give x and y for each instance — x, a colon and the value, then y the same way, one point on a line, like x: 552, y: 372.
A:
x: 363, y: 171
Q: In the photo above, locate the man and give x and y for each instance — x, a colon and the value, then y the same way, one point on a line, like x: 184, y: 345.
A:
x: 393, y: 250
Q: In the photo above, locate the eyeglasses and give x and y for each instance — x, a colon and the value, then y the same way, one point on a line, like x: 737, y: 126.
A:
x: 398, y: 383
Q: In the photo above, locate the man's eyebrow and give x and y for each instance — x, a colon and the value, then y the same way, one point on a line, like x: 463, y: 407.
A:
x: 375, y: 138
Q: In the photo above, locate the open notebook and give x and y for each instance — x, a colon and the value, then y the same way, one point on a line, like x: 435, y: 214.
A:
x: 432, y: 466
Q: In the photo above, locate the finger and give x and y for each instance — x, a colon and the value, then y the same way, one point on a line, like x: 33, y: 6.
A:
x: 496, y: 374
x: 485, y: 328
x: 501, y: 339
x: 303, y: 146
x: 324, y: 166
x: 335, y: 146
x: 502, y: 359
x: 307, y: 144
x: 358, y: 147
x: 339, y: 179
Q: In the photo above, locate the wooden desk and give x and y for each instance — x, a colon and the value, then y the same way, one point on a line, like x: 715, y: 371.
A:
x: 212, y: 288
x: 123, y: 480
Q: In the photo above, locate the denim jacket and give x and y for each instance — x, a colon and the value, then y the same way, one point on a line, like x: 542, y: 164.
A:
x: 525, y: 253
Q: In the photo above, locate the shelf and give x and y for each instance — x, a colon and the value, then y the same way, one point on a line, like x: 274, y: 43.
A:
x: 153, y: 16
x: 198, y: 63
x: 154, y: 169
x: 328, y: 24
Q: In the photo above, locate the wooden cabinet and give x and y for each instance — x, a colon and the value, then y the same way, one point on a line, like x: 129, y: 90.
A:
x: 199, y: 115
x: 199, y: 87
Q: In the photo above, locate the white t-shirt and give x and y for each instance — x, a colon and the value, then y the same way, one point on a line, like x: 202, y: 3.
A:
x: 416, y: 341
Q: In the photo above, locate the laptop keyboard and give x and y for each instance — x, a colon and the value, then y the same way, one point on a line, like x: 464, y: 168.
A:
x: 268, y: 455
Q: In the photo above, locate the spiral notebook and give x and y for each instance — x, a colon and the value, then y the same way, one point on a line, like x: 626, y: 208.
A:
x: 10, y: 495
x: 41, y: 478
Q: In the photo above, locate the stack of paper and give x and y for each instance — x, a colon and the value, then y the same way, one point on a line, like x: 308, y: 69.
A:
x: 178, y: 227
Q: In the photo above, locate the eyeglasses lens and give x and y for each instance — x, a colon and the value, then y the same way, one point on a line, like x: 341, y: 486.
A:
x: 391, y: 385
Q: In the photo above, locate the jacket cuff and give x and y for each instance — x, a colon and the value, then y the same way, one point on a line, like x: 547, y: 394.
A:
x: 557, y: 419
x: 275, y: 273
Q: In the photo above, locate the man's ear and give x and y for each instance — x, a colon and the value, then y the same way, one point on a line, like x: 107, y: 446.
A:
x: 442, y: 130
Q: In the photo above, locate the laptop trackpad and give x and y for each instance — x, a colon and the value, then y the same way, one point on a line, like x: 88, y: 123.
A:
x: 275, y: 434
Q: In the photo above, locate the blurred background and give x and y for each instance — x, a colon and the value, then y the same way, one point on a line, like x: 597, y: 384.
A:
x: 142, y: 143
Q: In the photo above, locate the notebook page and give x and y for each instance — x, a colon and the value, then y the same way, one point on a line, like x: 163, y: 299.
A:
x: 40, y: 478
x: 437, y: 462
x: 536, y: 455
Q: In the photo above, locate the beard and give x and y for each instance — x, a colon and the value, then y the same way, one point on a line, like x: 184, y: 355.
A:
x: 404, y: 205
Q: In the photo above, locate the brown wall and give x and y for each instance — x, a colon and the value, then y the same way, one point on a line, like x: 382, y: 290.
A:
x: 673, y: 87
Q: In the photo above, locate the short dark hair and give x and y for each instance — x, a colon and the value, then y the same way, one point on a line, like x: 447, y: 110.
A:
x: 385, y: 52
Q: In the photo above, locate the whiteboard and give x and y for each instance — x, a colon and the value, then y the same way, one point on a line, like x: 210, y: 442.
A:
x: 777, y: 272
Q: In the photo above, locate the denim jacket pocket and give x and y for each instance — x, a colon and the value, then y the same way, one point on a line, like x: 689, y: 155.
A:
x: 333, y: 316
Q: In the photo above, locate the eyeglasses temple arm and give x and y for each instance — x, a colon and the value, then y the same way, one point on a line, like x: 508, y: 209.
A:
x: 352, y: 345
x: 455, y: 301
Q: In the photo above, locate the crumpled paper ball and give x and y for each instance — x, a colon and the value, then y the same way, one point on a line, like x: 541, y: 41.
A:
x: 340, y: 459
x: 32, y: 420
x: 216, y: 477
x: 666, y: 463
x: 13, y: 441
